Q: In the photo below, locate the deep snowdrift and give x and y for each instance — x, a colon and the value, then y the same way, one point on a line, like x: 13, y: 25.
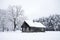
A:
x: 17, y: 35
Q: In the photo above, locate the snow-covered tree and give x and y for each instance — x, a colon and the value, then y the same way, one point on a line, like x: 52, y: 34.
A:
x: 16, y: 15
x: 2, y: 19
x: 52, y: 22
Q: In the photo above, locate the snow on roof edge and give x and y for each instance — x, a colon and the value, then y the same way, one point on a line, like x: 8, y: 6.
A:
x: 34, y: 24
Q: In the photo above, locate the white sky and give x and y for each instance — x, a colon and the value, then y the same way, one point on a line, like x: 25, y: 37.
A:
x: 34, y: 8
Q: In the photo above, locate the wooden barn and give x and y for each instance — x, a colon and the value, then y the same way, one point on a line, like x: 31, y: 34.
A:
x: 30, y: 26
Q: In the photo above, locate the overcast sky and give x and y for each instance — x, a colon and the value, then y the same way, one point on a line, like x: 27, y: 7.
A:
x: 34, y: 8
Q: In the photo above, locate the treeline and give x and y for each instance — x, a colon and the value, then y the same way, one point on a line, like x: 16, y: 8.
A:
x: 52, y: 22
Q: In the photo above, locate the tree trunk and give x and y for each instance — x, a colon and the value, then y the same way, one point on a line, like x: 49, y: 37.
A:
x: 14, y: 25
x: 3, y: 28
x: 54, y: 28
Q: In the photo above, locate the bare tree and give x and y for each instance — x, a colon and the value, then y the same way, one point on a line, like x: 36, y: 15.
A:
x: 2, y: 19
x: 15, y: 12
x: 3, y: 24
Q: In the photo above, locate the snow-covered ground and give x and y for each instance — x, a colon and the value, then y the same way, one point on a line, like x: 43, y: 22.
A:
x: 17, y: 35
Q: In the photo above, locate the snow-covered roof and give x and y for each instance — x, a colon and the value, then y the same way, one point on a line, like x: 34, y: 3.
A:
x: 34, y: 24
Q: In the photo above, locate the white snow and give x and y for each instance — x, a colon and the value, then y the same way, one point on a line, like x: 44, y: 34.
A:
x: 34, y: 24
x: 18, y: 35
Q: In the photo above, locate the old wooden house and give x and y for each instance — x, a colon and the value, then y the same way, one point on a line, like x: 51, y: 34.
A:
x: 30, y: 26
